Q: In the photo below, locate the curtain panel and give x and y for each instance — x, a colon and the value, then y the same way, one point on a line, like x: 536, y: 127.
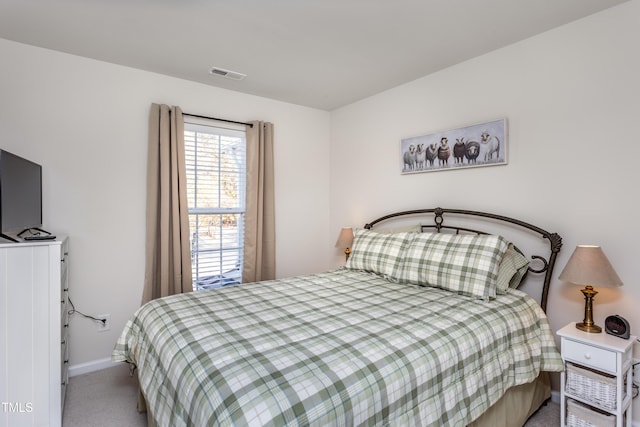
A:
x: 168, y: 252
x: 259, y: 234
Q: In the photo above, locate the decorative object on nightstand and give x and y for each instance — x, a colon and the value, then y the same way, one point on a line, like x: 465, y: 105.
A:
x: 597, y: 382
x: 345, y: 240
x: 589, y: 266
x: 617, y: 326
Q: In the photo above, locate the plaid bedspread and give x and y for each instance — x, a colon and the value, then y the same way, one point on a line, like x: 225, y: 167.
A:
x: 334, y: 349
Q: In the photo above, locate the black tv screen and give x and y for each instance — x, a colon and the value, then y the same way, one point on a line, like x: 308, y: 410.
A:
x: 20, y: 193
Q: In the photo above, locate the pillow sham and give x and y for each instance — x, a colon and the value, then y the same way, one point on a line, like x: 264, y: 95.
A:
x: 379, y: 253
x: 512, y: 269
x: 465, y: 264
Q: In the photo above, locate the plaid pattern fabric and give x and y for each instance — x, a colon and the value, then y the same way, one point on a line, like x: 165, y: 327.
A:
x: 512, y: 269
x: 333, y: 349
x: 465, y: 264
x: 380, y: 253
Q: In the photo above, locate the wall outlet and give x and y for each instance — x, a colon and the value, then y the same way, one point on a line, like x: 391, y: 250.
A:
x: 106, y: 325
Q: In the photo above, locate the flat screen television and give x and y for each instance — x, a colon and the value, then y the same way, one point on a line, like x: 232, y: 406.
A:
x: 20, y: 194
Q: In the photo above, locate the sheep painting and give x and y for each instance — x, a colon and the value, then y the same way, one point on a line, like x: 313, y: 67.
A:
x: 420, y: 156
x: 444, y: 152
x: 459, y: 149
x: 483, y: 144
x: 431, y: 154
x: 410, y: 158
x: 471, y: 151
x: 493, y: 146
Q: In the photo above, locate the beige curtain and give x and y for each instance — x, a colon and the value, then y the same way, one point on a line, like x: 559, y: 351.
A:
x: 259, y: 233
x: 168, y: 253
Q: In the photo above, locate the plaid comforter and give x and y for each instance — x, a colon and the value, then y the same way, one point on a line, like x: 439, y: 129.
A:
x: 333, y: 349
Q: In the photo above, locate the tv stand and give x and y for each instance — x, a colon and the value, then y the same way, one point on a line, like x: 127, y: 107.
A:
x: 5, y: 236
x: 37, y: 235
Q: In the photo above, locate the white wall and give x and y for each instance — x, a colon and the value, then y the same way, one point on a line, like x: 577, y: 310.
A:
x: 86, y: 121
x: 571, y: 98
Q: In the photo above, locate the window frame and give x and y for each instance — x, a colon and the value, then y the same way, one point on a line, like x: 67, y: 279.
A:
x: 224, y: 276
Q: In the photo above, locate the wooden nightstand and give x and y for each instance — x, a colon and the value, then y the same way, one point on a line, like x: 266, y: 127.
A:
x: 596, y: 384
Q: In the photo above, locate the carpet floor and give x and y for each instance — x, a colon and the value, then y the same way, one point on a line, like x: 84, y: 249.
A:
x: 107, y: 398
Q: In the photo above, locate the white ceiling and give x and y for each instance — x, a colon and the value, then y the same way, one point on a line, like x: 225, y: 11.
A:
x: 319, y: 53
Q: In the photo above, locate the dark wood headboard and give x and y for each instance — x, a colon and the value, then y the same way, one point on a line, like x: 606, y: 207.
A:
x: 546, y: 261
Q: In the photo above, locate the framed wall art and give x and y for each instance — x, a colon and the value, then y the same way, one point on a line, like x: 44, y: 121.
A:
x: 483, y: 144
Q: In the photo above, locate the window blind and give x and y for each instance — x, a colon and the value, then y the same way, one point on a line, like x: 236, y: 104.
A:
x: 216, y: 183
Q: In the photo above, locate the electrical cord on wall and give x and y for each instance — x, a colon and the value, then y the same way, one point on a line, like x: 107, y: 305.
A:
x: 74, y: 311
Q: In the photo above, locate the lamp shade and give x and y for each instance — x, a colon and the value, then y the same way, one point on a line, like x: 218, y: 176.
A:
x: 345, y: 238
x: 589, y: 265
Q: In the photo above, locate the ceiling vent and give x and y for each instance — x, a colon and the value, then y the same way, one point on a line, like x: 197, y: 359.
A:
x: 233, y: 75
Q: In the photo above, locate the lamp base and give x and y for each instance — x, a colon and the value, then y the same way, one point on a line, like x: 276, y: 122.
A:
x: 587, y: 324
x: 594, y: 329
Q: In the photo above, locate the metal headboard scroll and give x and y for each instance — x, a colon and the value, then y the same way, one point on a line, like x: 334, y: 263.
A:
x: 548, y: 262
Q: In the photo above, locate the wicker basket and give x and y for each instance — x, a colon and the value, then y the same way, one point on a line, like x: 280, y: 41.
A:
x: 579, y: 415
x: 594, y: 387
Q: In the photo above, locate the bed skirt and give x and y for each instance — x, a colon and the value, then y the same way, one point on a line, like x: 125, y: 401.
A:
x: 517, y: 405
x: 512, y: 410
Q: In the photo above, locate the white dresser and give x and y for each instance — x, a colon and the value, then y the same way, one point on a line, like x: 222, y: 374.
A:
x: 33, y: 332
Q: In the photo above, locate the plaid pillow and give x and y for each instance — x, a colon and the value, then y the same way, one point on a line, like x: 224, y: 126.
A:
x: 465, y: 264
x: 379, y: 253
x: 512, y: 269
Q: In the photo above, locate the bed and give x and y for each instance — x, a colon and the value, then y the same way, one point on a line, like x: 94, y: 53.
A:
x: 423, y: 326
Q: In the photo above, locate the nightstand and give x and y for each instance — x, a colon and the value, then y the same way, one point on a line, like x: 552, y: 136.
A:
x: 596, y: 385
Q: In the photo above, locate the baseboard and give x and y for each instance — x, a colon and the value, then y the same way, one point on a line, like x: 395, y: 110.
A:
x: 94, y: 365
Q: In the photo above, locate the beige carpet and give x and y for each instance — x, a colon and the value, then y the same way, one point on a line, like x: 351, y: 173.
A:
x: 107, y: 398
x: 547, y: 416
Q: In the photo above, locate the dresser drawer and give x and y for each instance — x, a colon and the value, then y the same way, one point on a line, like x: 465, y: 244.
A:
x: 64, y: 263
x: 64, y: 324
x: 64, y: 363
x: 588, y: 355
x: 64, y: 373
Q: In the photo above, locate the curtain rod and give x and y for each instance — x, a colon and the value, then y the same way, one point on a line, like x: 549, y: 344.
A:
x: 215, y: 118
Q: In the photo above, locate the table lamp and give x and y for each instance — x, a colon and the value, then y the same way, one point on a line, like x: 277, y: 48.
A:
x: 589, y: 266
x: 345, y: 239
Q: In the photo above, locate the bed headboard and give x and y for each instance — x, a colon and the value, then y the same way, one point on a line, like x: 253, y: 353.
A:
x: 546, y: 261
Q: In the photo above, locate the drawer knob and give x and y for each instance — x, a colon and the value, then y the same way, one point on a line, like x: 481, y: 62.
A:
x: 587, y: 356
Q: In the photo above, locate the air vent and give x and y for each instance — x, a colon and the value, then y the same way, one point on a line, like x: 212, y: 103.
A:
x: 233, y: 75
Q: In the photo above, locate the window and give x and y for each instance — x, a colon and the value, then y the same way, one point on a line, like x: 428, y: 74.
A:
x: 216, y: 178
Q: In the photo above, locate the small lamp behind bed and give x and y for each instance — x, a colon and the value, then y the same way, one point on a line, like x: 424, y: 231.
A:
x: 589, y: 266
x: 345, y: 240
